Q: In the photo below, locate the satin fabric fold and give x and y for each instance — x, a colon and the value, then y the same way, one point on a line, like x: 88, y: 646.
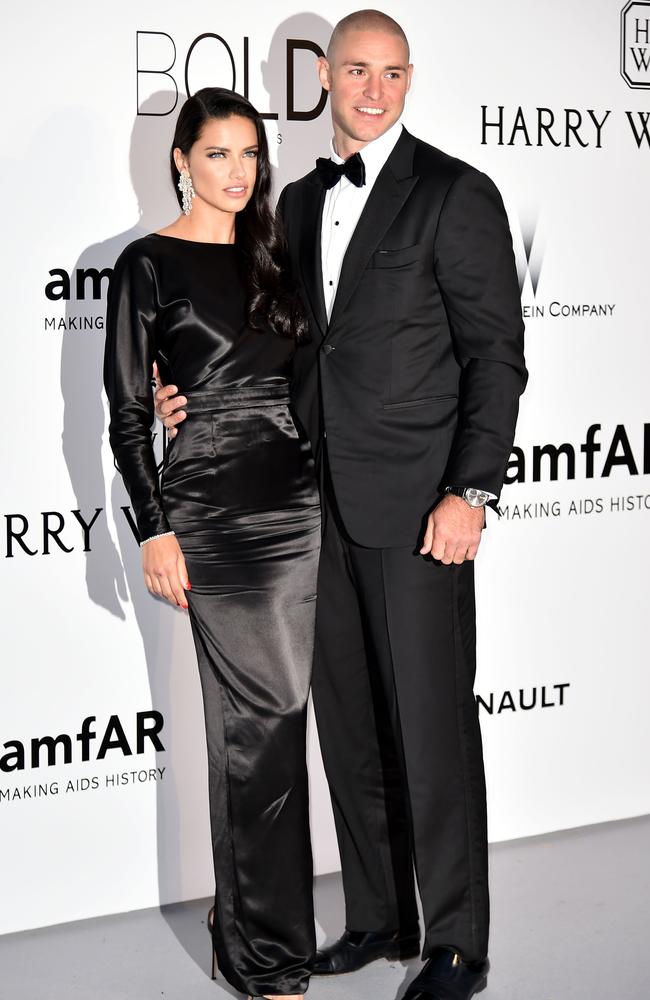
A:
x: 181, y: 304
x: 239, y: 491
x: 238, y: 488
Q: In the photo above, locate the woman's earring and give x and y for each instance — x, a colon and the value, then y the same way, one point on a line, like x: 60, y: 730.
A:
x: 187, y: 190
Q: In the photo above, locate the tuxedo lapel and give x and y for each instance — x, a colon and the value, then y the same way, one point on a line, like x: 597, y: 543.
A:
x: 310, y: 254
x: 391, y: 189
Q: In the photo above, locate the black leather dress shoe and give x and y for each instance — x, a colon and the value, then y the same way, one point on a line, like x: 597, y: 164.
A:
x: 446, y: 977
x: 354, y: 949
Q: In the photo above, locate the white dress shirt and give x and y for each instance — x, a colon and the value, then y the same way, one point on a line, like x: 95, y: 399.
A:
x: 343, y: 206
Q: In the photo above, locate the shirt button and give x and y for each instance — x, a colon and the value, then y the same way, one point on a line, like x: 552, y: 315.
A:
x: 331, y: 282
x: 336, y: 223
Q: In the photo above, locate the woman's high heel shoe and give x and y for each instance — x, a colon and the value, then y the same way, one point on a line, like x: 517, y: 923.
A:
x: 215, y: 966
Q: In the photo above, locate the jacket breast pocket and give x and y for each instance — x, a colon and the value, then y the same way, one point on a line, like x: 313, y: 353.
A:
x: 397, y: 258
x: 408, y: 404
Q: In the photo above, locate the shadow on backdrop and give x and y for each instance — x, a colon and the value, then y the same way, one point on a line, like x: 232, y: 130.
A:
x: 307, y: 139
x: 114, y: 573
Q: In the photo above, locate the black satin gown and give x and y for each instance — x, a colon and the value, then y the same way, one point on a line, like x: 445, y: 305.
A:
x: 239, y: 491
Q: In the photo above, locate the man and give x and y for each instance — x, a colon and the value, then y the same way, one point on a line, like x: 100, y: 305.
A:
x: 409, y: 391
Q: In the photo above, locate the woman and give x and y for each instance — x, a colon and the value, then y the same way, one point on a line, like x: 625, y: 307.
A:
x: 236, y: 514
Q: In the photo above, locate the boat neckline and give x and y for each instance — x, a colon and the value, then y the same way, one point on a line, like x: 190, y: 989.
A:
x: 198, y: 243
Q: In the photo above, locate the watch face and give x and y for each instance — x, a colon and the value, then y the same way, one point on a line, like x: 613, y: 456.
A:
x: 476, y: 498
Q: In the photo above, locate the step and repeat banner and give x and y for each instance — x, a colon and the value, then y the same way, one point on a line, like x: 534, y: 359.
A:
x: 103, y: 798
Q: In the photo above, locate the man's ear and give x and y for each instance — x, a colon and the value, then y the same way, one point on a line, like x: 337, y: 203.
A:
x: 324, y: 73
x: 409, y: 77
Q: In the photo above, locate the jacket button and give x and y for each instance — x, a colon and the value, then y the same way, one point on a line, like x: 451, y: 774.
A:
x: 327, y: 349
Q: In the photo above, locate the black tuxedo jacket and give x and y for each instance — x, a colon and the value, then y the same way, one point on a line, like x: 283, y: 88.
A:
x: 415, y: 381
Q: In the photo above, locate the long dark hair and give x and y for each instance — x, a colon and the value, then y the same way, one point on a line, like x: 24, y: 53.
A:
x: 272, y: 298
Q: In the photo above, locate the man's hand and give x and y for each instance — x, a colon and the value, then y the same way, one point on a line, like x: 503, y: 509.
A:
x: 168, y: 404
x: 453, y: 531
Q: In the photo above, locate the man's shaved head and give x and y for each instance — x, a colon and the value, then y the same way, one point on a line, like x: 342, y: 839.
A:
x: 365, y: 20
x: 367, y: 74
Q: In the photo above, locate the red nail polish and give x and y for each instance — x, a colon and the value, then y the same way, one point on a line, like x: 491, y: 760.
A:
x: 189, y: 586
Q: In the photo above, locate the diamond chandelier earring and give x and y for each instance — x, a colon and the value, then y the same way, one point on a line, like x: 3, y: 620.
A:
x: 186, y: 188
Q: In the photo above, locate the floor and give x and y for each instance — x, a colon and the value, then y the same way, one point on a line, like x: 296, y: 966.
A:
x: 571, y: 921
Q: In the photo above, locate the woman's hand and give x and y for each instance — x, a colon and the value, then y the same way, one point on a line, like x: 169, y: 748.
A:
x: 165, y: 573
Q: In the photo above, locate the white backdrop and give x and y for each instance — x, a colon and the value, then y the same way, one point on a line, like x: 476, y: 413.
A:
x: 563, y: 596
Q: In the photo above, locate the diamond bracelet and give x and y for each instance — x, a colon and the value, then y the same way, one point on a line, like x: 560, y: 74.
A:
x: 163, y: 535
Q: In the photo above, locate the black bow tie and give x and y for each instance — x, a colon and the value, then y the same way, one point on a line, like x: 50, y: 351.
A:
x: 330, y: 173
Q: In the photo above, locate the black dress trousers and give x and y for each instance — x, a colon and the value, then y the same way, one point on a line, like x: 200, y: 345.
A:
x: 395, y: 643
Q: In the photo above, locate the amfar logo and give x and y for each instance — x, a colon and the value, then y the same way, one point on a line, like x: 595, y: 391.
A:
x: 48, y: 751
x: 635, y: 44
x: 543, y: 463
x: 83, y: 284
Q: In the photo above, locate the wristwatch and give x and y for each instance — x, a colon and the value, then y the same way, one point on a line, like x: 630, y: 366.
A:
x: 471, y: 496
